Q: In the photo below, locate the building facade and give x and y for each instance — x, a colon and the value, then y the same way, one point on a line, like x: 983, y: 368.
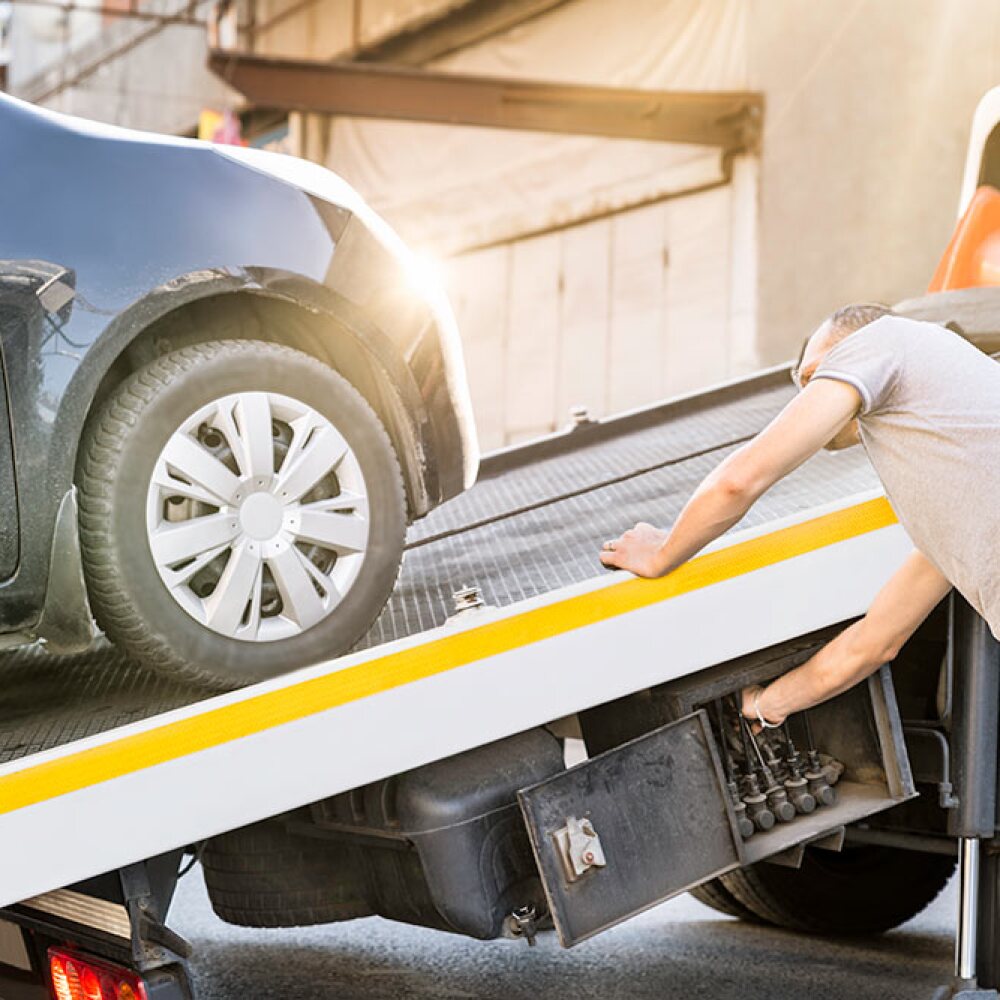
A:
x: 603, y: 273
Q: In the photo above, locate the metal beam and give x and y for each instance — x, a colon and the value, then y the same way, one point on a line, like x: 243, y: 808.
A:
x: 730, y: 120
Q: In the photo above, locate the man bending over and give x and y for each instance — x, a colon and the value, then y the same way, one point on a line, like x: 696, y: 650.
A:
x: 925, y: 405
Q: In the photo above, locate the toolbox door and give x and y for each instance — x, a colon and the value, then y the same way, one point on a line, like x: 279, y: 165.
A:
x: 620, y: 833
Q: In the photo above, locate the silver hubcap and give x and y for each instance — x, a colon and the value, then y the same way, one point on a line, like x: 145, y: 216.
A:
x: 257, y: 516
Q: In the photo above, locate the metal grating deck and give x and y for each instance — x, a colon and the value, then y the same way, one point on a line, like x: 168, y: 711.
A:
x: 533, y: 523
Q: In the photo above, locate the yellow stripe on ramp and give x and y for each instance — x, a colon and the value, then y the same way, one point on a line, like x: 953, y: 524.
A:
x: 218, y: 726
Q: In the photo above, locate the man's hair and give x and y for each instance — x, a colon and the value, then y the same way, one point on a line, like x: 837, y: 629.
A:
x: 850, y: 318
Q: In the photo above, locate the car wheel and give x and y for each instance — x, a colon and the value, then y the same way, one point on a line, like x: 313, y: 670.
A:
x: 242, y: 513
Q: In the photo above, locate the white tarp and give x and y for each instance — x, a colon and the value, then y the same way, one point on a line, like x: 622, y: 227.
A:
x: 447, y: 188
x: 610, y: 314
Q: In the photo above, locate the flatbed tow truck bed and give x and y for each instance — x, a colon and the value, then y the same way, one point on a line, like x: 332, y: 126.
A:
x: 531, y: 525
x: 104, y: 765
x: 95, y: 737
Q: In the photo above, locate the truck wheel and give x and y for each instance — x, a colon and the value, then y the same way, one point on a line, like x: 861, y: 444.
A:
x: 862, y: 890
x: 242, y: 513
x: 716, y: 896
x: 264, y: 876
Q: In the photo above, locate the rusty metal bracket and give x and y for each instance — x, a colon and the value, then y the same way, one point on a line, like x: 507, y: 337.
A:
x: 730, y: 120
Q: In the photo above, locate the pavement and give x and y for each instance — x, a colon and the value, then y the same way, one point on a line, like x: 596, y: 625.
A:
x: 680, y: 950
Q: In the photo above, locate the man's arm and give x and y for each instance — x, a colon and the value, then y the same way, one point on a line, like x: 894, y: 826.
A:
x: 802, y: 428
x: 900, y: 606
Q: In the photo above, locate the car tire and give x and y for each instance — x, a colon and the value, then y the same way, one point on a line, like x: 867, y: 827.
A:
x: 863, y: 890
x: 125, y: 444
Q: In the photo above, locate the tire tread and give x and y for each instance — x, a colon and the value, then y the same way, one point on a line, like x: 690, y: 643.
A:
x: 809, y: 900
x: 715, y: 895
x: 264, y: 876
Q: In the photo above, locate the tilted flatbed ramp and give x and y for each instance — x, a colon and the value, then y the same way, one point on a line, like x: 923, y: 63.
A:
x: 102, y: 764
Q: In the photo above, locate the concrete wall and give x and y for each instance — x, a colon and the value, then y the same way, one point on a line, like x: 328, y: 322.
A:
x: 320, y: 31
x: 331, y: 28
x: 41, y: 37
x: 158, y: 82
x: 869, y: 104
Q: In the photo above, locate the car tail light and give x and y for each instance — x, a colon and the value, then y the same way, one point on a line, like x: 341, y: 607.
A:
x: 77, y: 977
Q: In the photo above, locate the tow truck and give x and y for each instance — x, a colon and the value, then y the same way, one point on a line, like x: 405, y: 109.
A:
x: 424, y: 776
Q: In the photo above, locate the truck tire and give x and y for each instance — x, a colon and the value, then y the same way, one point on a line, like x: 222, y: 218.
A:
x: 270, y: 570
x: 716, y: 896
x: 863, y: 890
x: 264, y: 876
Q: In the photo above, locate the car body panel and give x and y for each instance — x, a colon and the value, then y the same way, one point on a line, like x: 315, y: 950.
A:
x: 131, y: 226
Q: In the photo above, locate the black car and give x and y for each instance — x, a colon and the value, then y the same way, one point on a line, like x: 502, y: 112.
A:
x: 229, y: 387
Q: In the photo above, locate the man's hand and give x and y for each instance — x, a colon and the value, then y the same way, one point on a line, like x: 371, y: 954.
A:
x: 639, y: 551
x: 749, y: 706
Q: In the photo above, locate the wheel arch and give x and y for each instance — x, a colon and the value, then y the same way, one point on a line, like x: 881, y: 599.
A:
x: 299, y: 314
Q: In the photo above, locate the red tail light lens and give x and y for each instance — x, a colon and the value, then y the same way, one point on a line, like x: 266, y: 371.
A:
x: 61, y: 988
x: 91, y: 984
x: 79, y: 977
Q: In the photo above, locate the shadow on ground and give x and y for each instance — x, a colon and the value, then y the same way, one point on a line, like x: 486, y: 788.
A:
x: 679, y: 951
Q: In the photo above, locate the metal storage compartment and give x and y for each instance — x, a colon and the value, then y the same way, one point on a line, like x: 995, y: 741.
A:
x: 652, y: 816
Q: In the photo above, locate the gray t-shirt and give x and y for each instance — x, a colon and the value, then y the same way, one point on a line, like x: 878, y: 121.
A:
x: 930, y: 423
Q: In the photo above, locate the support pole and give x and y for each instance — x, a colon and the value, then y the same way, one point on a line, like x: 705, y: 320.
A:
x: 975, y: 663
x: 968, y: 910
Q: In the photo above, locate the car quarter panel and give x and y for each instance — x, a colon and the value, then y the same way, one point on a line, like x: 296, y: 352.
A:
x: 139, y: 225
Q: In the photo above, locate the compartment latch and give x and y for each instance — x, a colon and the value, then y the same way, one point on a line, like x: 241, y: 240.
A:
x: 579, y: 847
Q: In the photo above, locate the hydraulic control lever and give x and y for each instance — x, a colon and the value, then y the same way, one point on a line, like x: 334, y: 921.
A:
x: 777, y: 797
x: 796, y: 785
x: 756, y: 802
x: 744, y: 822
x: 819, y: 786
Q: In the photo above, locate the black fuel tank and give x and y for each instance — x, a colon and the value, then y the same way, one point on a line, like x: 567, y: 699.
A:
x: 445, y: 845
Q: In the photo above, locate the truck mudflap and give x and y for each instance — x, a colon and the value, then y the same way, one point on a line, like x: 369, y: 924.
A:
x: 659, y: 814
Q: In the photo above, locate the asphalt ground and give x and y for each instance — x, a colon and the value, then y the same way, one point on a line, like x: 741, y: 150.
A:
x: 678, y: 951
